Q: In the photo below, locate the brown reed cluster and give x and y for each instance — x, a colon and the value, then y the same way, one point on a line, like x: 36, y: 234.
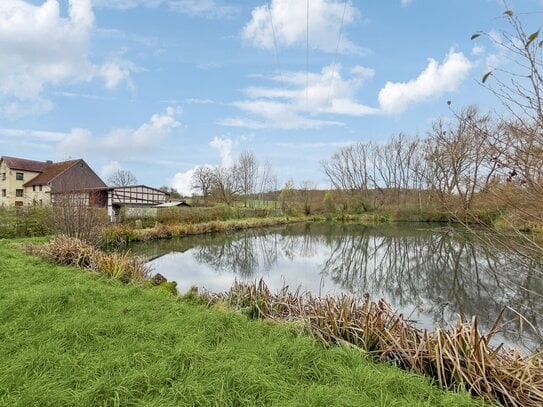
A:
x: 456, y: 357
x: 73, y: 252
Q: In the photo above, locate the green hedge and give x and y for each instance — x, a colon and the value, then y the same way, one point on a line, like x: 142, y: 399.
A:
x: 23, y: 221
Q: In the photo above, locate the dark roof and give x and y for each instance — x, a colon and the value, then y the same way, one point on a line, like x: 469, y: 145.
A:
x: 52, y: 171
x: 26, y: 165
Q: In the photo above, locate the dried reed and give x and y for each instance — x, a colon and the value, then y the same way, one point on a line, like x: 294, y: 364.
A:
x: 72, y: 251
x: 458, y: 356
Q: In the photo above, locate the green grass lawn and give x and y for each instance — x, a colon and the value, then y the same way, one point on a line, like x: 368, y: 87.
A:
x: 70, y: 338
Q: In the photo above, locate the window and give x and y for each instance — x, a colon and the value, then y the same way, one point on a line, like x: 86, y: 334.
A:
x: 4, y: 193
x: 19, y: 193
x: 18, y: 203
x: 41, y: 201
x: 40, y: 188
x: 19, y: 176
x: 34, y: 188
x: 3, y: 176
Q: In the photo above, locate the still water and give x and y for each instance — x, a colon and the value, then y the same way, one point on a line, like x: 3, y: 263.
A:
x: 429, y: 273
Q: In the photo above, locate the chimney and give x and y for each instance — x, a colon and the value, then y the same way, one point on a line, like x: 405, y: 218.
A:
x: 49, y: 162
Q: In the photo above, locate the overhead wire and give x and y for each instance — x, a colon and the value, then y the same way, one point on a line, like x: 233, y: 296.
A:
x: 336, y: 53
x: 307, y: 58
x: 275, y: 42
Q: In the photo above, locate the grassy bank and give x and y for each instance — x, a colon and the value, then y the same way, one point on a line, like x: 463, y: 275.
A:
x: 119, y: 235
x: 71, y: 338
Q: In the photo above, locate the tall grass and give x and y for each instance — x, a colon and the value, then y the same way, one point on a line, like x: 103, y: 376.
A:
x: 456, y: 357
x: 73, y: 252
x: 120, y: 235
x: 68, y: 339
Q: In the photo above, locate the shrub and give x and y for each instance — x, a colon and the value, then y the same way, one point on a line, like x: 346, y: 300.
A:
x: 117, y: 235
x: 74, y: 252
x: 71, y: 216
x: 28, y: 221
x: 121, y: 266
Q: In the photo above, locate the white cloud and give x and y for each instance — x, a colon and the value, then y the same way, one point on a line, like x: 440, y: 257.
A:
x: 122, y: 142
x: 38, y: 134
x: 34, y: 107
x: 198, y: 8
x: 406, y: 3
x: 224, y: 145
x: 39, y: 48
x: 198, y: 101
x: 436, y: 79
x: 182, y: 181
x: 110, y: 168
x: 298, y: 95
x: 289, y: 18
x: 477, y: 50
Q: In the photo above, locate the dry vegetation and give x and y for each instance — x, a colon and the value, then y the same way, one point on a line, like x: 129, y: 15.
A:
x: 456, y: 357
x: 74, y: 252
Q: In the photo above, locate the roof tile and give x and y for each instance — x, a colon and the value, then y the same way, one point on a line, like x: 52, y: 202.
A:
x: 52, y: 171
x: 26, y: 165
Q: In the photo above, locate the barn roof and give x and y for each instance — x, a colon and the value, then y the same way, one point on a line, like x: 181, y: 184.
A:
x: 171, y: 204
x: 52, y: 171
x: 26, y: 165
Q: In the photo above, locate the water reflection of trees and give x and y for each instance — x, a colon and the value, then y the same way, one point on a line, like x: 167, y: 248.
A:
x: 242, y: 254
x: 246, y: 252
x: 441, y: 273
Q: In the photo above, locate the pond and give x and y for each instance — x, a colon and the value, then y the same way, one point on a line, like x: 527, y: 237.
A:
x: 428, y: 272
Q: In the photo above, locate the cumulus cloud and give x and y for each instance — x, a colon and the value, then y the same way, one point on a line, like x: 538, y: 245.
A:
x: 298, y: 95
x: 39, y: 48
x: 436, y: 79
x: 287, y: 20
x: 122, y: 142
x: 224, y: 145
x: 182, y: 181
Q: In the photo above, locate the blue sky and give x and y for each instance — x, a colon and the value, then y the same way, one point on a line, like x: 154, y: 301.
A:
x: 159, y: 87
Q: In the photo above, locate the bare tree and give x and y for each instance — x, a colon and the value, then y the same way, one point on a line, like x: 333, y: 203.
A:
x: 225, y: 185
x: 202, y: 181
x: 122, y: 178
x: 266, y: 181
x: 518, y: 148
x: 305, y: 193
x: 72, y: 215
x: 461, y: 161
x: 247, y: 172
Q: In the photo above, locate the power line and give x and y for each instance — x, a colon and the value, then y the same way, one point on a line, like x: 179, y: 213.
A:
x: 274, y: 42
x: 307, y: 59
x: 336, y: 53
